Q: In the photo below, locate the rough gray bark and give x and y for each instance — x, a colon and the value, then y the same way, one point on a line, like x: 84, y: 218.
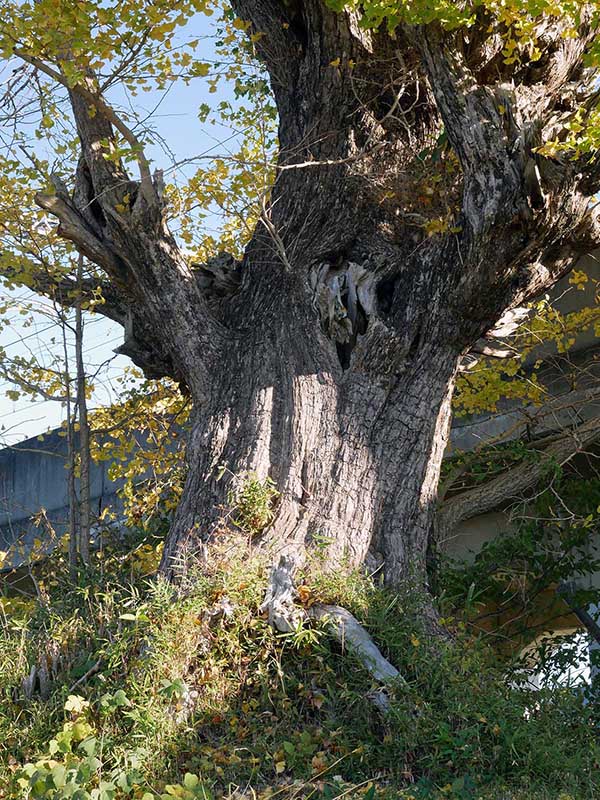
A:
x: 329, y: 362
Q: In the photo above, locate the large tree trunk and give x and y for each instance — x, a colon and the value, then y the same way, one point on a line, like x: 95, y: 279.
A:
x: 336, y: 372
x: 355, y: 460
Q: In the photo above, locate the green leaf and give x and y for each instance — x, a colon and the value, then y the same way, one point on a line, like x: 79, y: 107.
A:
x: 89, y: 745
x: 190, y: 781
x: 59, y: 773
x: 76, y: 704
x: 120, y: 698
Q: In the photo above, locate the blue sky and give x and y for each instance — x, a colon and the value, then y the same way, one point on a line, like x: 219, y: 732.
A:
x: 177, y: 123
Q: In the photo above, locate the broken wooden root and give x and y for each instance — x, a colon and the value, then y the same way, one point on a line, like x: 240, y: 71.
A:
x: 283, y: 613
x: 39, y: 680
x: 285, y: 616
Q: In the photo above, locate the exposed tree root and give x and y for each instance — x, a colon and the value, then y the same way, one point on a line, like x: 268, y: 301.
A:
x: 279, y: 603
x: 285, y: 616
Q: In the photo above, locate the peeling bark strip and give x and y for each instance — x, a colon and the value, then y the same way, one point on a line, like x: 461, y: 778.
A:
x: 327, y: 358
x: 351, y: 635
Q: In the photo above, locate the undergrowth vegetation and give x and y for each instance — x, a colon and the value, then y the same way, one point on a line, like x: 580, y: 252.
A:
x: 154, y: 693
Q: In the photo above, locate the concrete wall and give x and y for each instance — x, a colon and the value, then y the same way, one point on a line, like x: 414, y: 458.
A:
x: 33, y: 476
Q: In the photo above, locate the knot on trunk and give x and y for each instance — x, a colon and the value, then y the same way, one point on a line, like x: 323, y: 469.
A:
x: 494, y: 344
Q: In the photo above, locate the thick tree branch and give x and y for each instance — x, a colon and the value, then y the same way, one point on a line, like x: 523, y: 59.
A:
x: 515, y: 481
x: 140, y: 342
x: 281, y: 41
x: 112, y: 304
x: 74, y: 227
x: 475, y: 128
x: 119, y: 225
x: 524, y: 218
x: 101, y: 296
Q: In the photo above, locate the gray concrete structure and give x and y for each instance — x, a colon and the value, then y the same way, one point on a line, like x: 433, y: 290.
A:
x: 33, y: 477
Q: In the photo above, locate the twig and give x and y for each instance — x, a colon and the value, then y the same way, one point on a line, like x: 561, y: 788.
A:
x: 91, y: 671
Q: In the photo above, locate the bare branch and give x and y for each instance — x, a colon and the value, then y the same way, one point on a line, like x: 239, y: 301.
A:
x: 16, y: 376
x: 74, y: 227
x: 567, y: 590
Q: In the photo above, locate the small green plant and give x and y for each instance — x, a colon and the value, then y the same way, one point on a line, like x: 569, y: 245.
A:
x: 73, y: 767
x: 172, y: 689
x: 252, y: 500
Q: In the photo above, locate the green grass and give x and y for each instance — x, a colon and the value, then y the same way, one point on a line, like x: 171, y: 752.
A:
x: 174, y: 705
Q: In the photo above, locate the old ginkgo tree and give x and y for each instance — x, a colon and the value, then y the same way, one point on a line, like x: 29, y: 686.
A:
x: 434, y: 174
